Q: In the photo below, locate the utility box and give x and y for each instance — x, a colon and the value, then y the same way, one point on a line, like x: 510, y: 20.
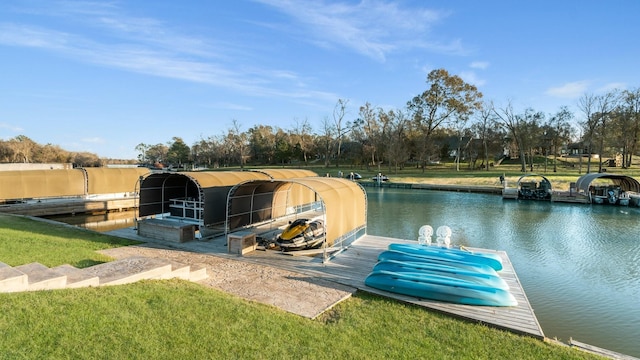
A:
x: 241, y: 242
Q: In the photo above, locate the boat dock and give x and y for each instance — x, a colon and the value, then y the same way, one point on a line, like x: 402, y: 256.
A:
x: 351, y: 266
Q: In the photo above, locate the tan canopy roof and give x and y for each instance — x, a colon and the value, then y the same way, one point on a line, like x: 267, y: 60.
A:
x: 626, y: 183
x: 30, y: 184
x: 222, y: 178
x: 280, y: 174
x: 343, y: 202
x: 207, y: 188
x: 113, y: 180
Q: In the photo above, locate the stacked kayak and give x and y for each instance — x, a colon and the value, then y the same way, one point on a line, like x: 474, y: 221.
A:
x: 492, y: 260
x: 443, y: 274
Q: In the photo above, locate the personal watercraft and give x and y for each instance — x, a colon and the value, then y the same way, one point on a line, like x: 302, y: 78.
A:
x: 302, y: 234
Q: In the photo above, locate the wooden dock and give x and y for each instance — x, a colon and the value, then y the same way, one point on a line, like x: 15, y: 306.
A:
x: 351, y: 266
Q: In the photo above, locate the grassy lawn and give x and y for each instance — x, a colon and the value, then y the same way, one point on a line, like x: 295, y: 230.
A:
x: 181, y: 320
x: 567, y: 171
x: 23, y: 241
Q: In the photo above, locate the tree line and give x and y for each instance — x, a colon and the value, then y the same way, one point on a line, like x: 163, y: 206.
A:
x: 448, y: 121
x: 22, y: 149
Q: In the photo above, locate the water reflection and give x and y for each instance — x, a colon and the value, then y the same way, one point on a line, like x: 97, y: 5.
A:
x: 579, y: 264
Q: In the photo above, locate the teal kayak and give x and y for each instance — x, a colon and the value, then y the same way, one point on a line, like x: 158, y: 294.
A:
x: 403, y: 256
x: 435, y: 269
x: 493, y: 260
x: 445, y: 289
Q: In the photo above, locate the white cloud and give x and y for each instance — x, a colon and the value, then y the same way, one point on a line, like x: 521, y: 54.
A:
x: 479, y: 65
x: 569, y: 90
x: 471, y: 78
x: 612, y: 86
x: 93, y: 140
x: 371, y: 27
x: 12, y: 128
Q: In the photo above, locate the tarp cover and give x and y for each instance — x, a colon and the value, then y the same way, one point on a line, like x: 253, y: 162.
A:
x: 156, y: 191
x: 113, y: 180
x: 279, y: 174
x: 626, y: 183
x: 344, y: 202
x: 29, y: 184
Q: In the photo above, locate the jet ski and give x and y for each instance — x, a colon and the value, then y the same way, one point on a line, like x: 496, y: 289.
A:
x: 302, y: 234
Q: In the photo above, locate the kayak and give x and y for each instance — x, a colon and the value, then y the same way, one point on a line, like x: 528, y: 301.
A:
x: 439, y: 288
x: 403, y: 256
x: 436, y: 270
x: 493, y: 260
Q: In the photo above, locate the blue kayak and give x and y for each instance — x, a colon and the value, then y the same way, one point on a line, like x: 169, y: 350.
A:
x: 493, y: 260
x: 447, y: 289
x: 403, y: 256
x: 435, y: 269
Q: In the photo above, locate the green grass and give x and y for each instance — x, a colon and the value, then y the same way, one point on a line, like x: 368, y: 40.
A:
x: 176, y: 319
x: 23, y: 240
x: 180, y: 320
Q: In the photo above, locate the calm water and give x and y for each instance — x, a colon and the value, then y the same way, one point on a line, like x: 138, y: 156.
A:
x: 579, y: 264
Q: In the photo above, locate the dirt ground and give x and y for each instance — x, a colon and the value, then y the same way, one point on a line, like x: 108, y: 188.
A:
x: 290, y: 291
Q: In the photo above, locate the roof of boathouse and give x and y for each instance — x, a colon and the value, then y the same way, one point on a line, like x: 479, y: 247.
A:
x: 212, y: 187
x: 113, y: 180
x: 626, y: 183
x: 523, y: 177
x: 287, y: 173
x: 57, y: 183
x: 33, y: 184
x: 344, y: 202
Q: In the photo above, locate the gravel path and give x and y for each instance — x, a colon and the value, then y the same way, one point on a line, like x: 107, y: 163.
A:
x: 290, y: 291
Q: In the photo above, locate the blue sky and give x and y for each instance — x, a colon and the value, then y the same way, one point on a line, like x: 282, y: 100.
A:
x: 104, y: 76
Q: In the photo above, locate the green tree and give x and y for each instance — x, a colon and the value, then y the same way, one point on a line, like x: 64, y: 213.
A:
x: 447, y: 98
x: 178, y: 152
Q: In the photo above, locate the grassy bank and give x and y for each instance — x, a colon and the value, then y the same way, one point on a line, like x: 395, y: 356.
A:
x: 567, y: 171
x: 177, y: 319
x: 23, y: 241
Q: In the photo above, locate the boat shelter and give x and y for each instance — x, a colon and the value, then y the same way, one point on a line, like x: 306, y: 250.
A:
x: 113, y: 180
x: 199, y: 197
x: 339, y: 202
x: 196, y: 197
x: 19, y: 185
x: 626, y: 183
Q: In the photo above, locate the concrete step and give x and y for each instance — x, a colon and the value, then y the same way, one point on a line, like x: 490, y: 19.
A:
x: 76, y: 278
x: 129, y: 270
x: 178, y: 270
x: 36, y: 276
x: 12, y: 280
x: 40, y: 277
x: 198, y: 272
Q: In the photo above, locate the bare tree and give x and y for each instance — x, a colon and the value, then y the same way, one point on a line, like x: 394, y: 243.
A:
x: 327, y: 139
x: 485, y: 117
x: 560, y: 127
x: 587, y: 104
x: 339, y: 112
x: 604, y: 106
x: 513, y: 124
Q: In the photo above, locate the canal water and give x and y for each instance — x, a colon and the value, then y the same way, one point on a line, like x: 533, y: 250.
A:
x: 579, y: 264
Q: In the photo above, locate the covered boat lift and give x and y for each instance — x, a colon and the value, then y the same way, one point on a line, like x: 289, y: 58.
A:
x: 219, y: 203
x: 341, y: 205
x: 529, y: 189
x: 198, y: 197
x: 626, y: 184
